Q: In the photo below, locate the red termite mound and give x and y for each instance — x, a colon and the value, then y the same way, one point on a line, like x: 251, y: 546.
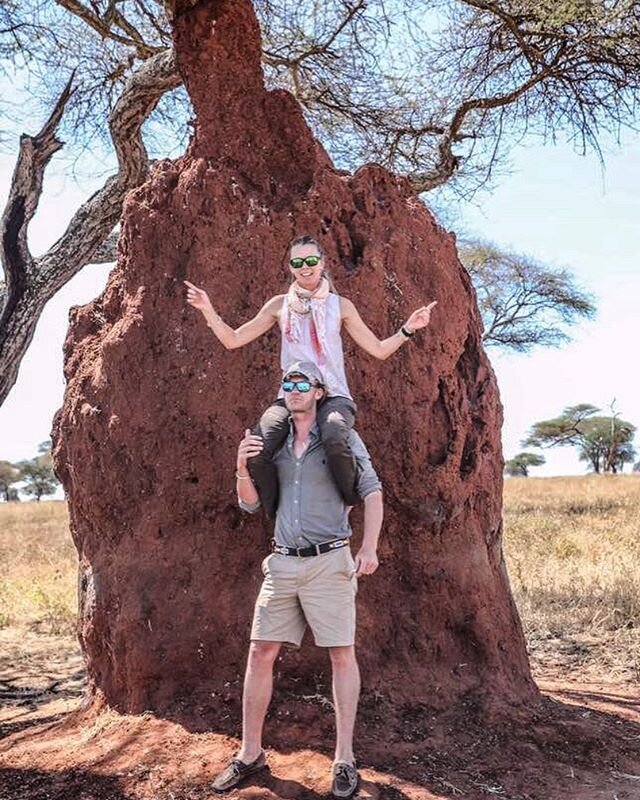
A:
x: 154, y: 407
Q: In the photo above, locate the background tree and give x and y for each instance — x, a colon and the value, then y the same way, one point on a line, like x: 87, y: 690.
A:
x: 9, y: 474
x: 38, y: 473
x: 364, y: 73
x: 44, y: 450
x: 520, y: 464
x: 605, y: 443
x: 523, y: 302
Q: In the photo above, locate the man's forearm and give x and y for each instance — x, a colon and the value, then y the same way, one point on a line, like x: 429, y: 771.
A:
x: 373, y: 514
x: 245, y: 488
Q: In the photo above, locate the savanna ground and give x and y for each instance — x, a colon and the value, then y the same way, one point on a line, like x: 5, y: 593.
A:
x: 573, y: 551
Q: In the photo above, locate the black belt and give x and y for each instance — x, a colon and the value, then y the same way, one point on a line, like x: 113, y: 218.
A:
x: 314, y: 550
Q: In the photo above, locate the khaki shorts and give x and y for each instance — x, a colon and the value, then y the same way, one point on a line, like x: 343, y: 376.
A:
x: 319, y: 591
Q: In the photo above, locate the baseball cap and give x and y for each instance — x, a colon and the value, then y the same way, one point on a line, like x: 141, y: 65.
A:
x: 307, y: 369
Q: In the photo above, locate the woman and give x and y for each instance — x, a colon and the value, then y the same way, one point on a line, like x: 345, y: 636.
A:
x: 310, y: 316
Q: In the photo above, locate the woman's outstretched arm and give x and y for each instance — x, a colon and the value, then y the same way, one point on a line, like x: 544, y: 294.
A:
x: 230, y: 338
x: 363, y: 336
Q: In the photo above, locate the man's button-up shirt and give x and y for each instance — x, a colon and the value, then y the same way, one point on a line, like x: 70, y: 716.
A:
x: 311, y: 509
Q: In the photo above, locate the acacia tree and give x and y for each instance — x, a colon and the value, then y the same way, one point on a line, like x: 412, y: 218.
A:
x: 365, y: 72
x: 38, y: 474
x: 9, y: 474
x: 604, y: 442
x: 521, y: 463
x: 39, y: 477
x: 523, y: 302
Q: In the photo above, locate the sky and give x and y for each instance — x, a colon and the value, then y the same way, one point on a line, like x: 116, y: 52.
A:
x: 555, y: 205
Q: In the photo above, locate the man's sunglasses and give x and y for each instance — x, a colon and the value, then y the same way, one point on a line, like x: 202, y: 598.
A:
x: 310, y: 261
x: 302, y: 386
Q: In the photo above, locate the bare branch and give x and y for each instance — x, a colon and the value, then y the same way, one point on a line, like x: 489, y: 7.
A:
x: 24, y: 196
x: 105, y: 27
x: 98, y: 216
x: 448, y: 162
x: 39, y: 279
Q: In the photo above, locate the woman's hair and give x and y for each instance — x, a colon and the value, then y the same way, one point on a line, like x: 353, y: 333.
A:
x: 306, y: 239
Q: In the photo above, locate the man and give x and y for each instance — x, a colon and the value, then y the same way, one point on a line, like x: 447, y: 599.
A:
x: 310, y: 577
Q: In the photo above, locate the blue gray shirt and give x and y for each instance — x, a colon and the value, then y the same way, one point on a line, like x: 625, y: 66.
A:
x: 311, y: 509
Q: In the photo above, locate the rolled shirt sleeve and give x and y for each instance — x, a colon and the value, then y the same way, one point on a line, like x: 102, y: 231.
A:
x: 251, y: 508
x: 367, y: 480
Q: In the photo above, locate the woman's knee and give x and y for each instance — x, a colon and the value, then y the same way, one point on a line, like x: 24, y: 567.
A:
x: 273, y: 423
x: 335, y: 429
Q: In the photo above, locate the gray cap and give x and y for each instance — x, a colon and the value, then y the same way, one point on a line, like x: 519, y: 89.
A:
x: 307, y: 369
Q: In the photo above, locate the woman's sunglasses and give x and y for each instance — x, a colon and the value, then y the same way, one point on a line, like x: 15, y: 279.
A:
x: 302, y: 386
x: 310, y: 261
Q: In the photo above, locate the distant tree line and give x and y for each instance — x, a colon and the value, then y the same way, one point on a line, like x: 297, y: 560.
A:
x: 604, y: 442
x: 36, y: 475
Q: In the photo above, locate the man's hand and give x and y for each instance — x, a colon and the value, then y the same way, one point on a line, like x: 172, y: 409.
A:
x: 198, y: 298
x: 366, y: 562
x: 250, y: 446
x: 420, y: 318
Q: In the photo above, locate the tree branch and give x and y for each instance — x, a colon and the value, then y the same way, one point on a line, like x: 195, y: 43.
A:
x: 39, y: 279
x: 448, y: 162
x: 26, y: 187
x: 104, y: 26
x: 108, y: 250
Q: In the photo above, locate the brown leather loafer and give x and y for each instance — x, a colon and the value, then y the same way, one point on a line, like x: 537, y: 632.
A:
x: 236, y: 772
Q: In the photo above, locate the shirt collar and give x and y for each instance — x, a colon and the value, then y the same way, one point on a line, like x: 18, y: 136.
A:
x: 314, y: 431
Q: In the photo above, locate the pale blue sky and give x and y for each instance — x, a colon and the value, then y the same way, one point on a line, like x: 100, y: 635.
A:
x: 555, y: 205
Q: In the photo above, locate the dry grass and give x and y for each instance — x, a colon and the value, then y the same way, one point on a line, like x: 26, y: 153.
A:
x: 39, y: 563
x: 572, y: 547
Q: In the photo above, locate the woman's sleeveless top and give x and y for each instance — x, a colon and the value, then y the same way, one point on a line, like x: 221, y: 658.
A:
x: 333, y: 369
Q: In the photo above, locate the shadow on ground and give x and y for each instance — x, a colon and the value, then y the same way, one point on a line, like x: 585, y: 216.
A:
x: 554, y: 750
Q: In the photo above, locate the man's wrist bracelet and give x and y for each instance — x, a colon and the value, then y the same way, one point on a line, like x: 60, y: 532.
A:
x: 242, y: 477
x: 405, y: 332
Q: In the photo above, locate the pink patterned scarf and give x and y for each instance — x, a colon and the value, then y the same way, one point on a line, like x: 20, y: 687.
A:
x: 300, y: 302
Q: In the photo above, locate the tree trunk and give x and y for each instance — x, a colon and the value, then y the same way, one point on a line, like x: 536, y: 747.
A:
x: 154, y: 408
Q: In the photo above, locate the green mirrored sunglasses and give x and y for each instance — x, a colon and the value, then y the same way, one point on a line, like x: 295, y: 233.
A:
x: 310, y: 261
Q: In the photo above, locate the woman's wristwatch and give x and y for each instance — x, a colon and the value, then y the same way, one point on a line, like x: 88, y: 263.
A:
x: 406, y: 332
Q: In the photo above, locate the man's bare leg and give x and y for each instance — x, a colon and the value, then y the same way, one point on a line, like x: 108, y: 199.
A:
x: 346, y: 691
x: 258, y: 685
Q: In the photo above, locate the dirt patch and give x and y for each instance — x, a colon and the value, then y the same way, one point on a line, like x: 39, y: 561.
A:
x: 581, y: 741
x: 39, y: 675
